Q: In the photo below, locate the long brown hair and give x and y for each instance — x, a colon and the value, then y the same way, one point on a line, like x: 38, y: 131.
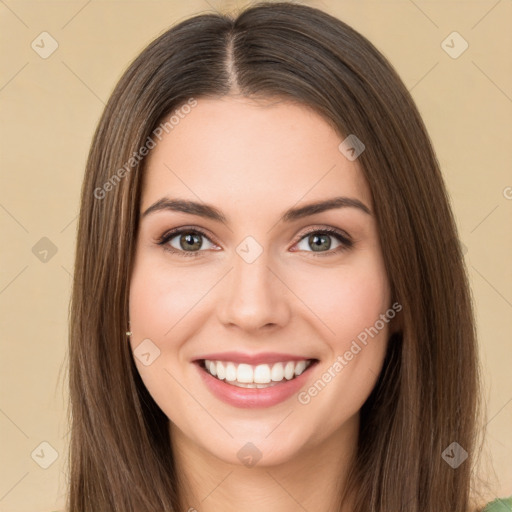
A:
x: 427, y: 395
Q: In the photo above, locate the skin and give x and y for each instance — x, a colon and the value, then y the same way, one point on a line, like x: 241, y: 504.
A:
x: 254, y: 160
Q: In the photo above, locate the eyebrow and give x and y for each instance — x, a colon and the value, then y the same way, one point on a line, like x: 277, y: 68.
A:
x: 210, y: 212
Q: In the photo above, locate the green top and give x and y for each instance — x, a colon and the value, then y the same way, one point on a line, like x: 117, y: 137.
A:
x: 499, y: 505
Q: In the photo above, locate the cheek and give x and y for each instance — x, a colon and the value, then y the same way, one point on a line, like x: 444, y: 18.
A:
x: 159, y: 298
x: 350, y: 301
x: 161, y: 295
x: 347, y: 299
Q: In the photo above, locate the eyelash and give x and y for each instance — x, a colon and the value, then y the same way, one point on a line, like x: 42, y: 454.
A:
x: 345, y: 241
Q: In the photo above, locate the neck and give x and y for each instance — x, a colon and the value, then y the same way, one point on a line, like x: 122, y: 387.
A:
x: 313, y: 479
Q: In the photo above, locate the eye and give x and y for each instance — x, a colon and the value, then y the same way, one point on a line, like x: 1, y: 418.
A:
x: 189, y: 241
x: 185, y: 241
x: 319, y: 239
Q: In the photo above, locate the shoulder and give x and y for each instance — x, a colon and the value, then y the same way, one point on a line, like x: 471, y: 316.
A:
x: 499, y: 505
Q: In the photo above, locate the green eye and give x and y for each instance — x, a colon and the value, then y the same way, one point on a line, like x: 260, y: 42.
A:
x: 189, y: 241
x: 320, y: 241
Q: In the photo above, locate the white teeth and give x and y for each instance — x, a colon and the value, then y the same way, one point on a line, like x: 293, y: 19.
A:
x: 230, y: 372
x: 277, y: 372
x: 260, y: 376
x: 289, y: 370
x: 221, y: 372
x: 300, y: 367
x: 244, y: 373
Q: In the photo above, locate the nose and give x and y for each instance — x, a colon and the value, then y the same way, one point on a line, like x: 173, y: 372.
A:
x: 253, y: 296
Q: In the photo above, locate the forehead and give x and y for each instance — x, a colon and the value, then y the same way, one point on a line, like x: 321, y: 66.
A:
x: 231, y: 151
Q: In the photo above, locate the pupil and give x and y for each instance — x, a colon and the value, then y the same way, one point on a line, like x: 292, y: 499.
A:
x: 315, y: 238
x: 189, y: 239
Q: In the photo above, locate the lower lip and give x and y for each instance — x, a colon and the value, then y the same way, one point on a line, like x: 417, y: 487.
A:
x: 253, y: 397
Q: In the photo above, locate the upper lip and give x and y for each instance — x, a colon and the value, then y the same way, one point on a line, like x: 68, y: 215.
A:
x: 252, y: 359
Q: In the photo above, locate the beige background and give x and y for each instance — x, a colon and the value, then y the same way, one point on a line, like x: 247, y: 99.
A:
x: 50, y: 108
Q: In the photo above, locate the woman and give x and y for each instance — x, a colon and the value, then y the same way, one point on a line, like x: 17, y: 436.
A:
x: 216, y: 363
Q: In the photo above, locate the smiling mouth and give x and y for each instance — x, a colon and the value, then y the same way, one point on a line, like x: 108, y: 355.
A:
x: 256, y: 376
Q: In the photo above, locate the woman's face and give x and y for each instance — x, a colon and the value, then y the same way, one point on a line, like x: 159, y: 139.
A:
x: 256, y: 294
